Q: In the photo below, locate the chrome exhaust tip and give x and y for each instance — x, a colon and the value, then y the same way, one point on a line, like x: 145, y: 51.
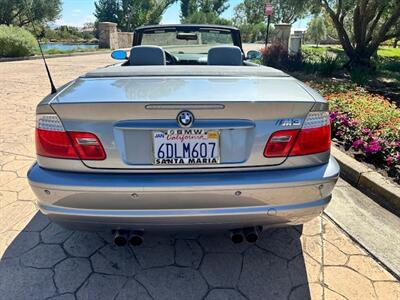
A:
x: 136, y: 238
x: 237, y: 236
x: 251, y: 234
x: 120, y: 238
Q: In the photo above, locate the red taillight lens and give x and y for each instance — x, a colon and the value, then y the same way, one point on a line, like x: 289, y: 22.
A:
x: 54, y: 144
x: 312, y: 140
x: 280, y: 143
x: 53, y: 141
x: 314, y: 137
x: 87, y: 145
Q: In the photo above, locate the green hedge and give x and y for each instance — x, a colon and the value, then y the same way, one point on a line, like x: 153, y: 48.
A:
x: 16, y: 42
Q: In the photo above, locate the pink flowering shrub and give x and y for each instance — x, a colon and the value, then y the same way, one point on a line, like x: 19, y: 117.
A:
x: 368, y: 125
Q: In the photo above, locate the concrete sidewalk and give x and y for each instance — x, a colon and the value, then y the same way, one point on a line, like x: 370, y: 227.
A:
x: 40, y: 260
x: 372, y: 226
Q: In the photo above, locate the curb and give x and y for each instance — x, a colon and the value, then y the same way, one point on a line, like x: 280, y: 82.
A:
x: 9, y: 59
x: 370, y: 182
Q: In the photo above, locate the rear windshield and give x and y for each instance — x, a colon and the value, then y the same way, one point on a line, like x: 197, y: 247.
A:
x: 187, y: 42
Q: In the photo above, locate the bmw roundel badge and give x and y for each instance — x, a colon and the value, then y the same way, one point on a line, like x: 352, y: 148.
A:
x: 185, y: 118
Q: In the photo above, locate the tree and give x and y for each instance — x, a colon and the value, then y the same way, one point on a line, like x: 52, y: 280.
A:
x: 317, y: 30
x: 107, y: 10
x: 129, y: 14
x: 330, y: 28
x: 249, y: 12
x: 289, y: 11
x: 250, y: 21
x: 362, y: 25
x: 203, y: 11
x: 23, y: 12
x: 200, y: 17
x: 188, y: 7
x: 285, y: 11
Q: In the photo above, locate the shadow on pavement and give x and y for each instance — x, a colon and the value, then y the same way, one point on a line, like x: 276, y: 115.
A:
x: 46, y: 261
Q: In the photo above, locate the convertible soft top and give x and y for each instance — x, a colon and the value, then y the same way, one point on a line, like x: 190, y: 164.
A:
x: 219, y: 71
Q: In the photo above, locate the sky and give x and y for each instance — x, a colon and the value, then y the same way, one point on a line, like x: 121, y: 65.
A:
x: 78, y: 12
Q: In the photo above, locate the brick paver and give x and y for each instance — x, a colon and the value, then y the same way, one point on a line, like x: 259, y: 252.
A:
x: 41, y: 260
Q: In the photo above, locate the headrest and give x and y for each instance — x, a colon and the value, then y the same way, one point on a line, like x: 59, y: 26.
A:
x: 225, y: 56
x: 147, y: 55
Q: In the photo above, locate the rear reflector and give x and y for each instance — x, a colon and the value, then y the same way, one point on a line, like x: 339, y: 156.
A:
x: 280, y: 143
x: 53, y: 141
x: 314, y: 137
x: 87, y: 145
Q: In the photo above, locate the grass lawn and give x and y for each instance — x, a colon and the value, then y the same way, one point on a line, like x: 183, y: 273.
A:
x: 383, y: 51
x: 387, y: 63
x: 389, y: 52
x: 324, y: 48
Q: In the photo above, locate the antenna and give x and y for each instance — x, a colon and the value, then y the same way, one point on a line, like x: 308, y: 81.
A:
x: 53, y: 87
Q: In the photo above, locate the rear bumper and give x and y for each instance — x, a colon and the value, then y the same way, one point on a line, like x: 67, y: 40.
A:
x: 184, y: 201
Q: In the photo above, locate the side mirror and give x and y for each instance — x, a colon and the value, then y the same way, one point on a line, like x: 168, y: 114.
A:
x: 253, y: 54
x: 119, y: 55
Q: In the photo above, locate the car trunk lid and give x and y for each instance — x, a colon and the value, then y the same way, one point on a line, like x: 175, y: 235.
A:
x: 126, y: 113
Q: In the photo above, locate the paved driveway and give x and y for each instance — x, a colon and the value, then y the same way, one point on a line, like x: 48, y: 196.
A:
x: 40, y: 260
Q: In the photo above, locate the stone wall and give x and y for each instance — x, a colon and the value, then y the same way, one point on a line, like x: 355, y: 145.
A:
x: 125, y: 39
x: 108, y: 35
x: 281, y: 36
x: 110, y: 38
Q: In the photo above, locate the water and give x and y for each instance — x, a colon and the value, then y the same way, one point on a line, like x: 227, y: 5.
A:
x: 67, y: 47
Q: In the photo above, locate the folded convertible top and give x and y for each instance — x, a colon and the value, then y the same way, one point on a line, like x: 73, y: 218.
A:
x: 184, y: 70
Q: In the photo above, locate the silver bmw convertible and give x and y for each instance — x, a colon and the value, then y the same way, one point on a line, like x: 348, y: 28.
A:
x: 184, y: 133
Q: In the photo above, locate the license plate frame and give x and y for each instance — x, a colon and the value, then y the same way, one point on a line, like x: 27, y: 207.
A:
x: 182, y: 147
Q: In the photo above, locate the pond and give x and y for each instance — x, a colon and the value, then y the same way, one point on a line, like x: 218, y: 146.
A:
x: 67, y: 47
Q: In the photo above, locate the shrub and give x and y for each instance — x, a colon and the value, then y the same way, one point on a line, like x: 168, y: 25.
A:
x: 324, y: 62
x: 326, y: 88
x: 329, y: 65
x: 16, y: 41
x: 367, y: 124
x: 275, y: 56
x: 388, y: 63
x: 370, y: 111
x: 310, y: 60
x: 361, y: 75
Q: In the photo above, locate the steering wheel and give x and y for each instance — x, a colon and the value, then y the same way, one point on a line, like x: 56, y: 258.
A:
x: 170, y: 58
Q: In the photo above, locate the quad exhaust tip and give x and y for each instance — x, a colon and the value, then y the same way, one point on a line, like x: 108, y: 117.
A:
x: 251, y: 234
x: 122, y: 237
x: 136, y: 238
x: 237, y: 236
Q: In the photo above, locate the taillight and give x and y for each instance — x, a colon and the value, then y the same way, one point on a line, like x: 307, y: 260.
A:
x: 314, y: 137
x: 51, y: 138
x: 280, y: 143
x: 87, y: 145
x: 53, y: 141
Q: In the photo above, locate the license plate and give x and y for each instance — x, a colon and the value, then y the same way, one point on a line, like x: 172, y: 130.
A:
x: 186, y: 147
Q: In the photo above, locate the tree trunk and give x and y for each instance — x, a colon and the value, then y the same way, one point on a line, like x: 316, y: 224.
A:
x: 361, y: 58
x: 396, y: 40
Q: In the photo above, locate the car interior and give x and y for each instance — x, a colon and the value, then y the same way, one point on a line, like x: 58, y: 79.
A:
x: 146, y: 55
x: 160, y: 45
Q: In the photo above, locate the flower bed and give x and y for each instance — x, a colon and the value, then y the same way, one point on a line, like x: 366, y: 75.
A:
x: 367, y: 125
